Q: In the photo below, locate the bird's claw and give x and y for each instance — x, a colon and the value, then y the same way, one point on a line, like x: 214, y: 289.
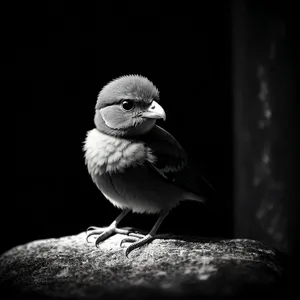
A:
x: 129, y: 240
x: 106, y: 232
x: 136, y: 242
x: 93, y: 230
x: 103, y: 233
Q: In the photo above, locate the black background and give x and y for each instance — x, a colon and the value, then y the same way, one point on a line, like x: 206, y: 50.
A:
x: 61, y: 55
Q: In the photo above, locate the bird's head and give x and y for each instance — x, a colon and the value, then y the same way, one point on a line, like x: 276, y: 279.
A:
x: 128, y: 106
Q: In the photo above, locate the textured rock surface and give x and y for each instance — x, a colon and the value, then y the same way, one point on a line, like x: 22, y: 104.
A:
x: 177, y: 267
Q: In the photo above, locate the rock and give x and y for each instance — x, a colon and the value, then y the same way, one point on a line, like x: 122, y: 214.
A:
x: 173, y: 267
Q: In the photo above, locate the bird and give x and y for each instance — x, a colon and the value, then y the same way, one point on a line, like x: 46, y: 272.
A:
x: 134, y: 162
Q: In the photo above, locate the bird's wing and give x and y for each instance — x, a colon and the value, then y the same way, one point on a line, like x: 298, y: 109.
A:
x: 171, y: 158
x: 172, y: 163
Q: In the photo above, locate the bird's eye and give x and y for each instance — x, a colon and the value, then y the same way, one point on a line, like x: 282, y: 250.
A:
x: 127, y: 104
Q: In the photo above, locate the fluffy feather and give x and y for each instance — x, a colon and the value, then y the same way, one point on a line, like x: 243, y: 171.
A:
x: 105, y: 153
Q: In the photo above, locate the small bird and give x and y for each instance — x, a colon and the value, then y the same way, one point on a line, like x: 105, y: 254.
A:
x: 135, y: 163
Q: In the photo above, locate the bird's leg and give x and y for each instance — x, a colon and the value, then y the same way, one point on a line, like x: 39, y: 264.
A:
x: 138, y: 242
x: 106, y: 232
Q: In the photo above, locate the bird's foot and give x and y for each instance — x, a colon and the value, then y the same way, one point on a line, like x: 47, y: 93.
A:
x: 137, y: 242
x: 104, y: 233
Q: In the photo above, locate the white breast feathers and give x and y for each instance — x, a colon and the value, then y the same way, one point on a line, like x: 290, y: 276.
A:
x: 105, y: 153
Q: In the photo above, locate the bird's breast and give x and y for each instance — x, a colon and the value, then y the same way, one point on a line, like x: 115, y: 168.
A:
x: 109, y: 154
x: 106, y: 186
x: 140, y: 189
x: 119, y: 169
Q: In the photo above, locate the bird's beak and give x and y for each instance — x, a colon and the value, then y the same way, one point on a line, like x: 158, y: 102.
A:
x: 155, y: 111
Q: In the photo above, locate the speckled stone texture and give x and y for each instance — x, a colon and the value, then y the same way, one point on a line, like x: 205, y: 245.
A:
x: 174, y: 267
